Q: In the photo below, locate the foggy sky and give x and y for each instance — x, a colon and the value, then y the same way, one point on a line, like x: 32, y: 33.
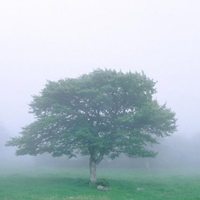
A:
x: 47, y: 40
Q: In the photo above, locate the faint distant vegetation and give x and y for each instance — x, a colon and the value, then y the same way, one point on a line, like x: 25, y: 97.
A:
x: 4, y: 136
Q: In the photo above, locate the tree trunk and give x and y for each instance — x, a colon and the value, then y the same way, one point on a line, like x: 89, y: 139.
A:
x: 93, y: 166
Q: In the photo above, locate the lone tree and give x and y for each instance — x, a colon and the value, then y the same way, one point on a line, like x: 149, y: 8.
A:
x: 101, y: 114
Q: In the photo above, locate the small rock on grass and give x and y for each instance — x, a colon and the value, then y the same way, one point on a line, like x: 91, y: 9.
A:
x: 139, y: 189
x: 100, y: 187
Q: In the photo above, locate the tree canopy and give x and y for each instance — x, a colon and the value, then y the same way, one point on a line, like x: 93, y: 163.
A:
x: 103, y: 113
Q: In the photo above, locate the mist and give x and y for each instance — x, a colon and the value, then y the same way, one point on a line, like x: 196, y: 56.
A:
x: 51, y: 40
x: 175, y: 152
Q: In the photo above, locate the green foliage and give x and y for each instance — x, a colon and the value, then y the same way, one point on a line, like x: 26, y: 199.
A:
x: 104, y: 113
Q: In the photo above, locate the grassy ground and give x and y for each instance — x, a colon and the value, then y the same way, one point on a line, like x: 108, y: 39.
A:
x: 66, y: 184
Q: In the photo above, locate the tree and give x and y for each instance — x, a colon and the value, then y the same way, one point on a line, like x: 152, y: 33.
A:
x: 104, y: 113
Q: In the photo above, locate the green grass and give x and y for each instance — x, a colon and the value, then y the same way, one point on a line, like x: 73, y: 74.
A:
x: 66, y: 184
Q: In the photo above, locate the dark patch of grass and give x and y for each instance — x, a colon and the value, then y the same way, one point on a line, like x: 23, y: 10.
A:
x: 103, y: 182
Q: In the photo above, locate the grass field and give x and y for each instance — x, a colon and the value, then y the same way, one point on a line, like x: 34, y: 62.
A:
x: 66, y: 184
